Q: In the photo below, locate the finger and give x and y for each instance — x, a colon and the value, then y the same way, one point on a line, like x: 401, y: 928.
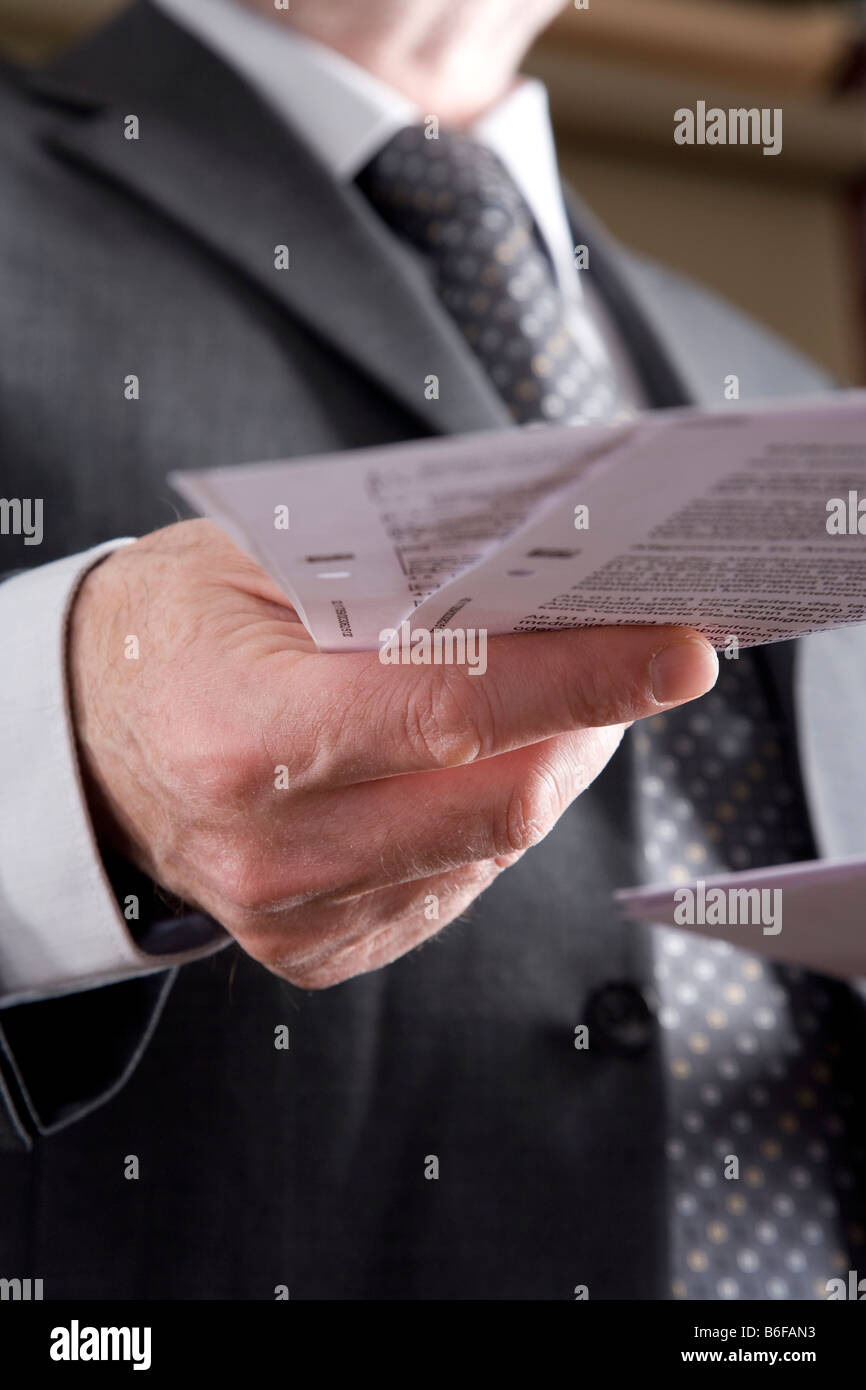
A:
x: 403, y: 829
x: 316, y: 949
x: 501, y: 807
x: 352, y: 719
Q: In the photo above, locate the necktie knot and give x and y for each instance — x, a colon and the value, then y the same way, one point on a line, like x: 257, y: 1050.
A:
x: 435, y: 189
x: 453, y: 198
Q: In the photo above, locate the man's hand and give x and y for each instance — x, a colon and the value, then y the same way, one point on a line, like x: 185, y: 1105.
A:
x: 407, y: 790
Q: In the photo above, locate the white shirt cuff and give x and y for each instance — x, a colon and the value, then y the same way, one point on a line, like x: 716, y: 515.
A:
x: 61, y: 929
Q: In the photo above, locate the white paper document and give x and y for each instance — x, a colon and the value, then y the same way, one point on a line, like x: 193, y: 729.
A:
x: 808, y: 914
x: 742, y: 523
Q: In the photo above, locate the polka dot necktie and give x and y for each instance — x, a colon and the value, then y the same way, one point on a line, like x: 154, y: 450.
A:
x: 454, y: 201
x: 756, y: 1070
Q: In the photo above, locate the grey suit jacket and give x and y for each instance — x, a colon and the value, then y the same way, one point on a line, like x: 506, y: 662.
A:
x: 306, y: 1168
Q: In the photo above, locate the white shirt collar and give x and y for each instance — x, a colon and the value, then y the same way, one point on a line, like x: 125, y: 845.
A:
x: 345, y: 114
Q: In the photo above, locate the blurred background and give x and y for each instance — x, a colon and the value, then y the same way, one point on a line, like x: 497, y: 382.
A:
x: 784, y: 237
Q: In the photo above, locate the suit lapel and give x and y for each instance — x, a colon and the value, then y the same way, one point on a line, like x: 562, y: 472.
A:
x: 214, y: 160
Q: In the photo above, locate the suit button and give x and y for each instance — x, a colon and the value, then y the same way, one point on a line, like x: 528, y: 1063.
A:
x: 619, y: 1019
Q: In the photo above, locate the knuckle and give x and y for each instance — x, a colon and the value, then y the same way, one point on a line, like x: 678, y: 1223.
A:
x: 323, y: 969
x: 445, y: 724
x: 533, y: 807
x: 316, y: 979
x: 599, y: 698
x: 213, y: 768
x: 248, y: 876
x: 237, y: 877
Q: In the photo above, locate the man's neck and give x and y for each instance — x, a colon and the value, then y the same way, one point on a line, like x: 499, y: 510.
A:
x: 451, y: 58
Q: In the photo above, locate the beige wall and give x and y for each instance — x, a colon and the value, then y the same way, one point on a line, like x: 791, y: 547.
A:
x: 781, y: 254
x: 29, y: 28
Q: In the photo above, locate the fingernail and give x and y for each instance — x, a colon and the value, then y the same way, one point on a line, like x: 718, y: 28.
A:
x: 683, y: 671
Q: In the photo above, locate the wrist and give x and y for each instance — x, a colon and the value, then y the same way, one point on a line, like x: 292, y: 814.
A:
x: 89, y: 635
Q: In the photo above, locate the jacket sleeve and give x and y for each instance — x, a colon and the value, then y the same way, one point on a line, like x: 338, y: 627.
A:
x: 88, y: 947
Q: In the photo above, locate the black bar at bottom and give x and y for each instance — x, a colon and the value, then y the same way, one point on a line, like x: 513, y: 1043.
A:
x: 159, y: 1340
